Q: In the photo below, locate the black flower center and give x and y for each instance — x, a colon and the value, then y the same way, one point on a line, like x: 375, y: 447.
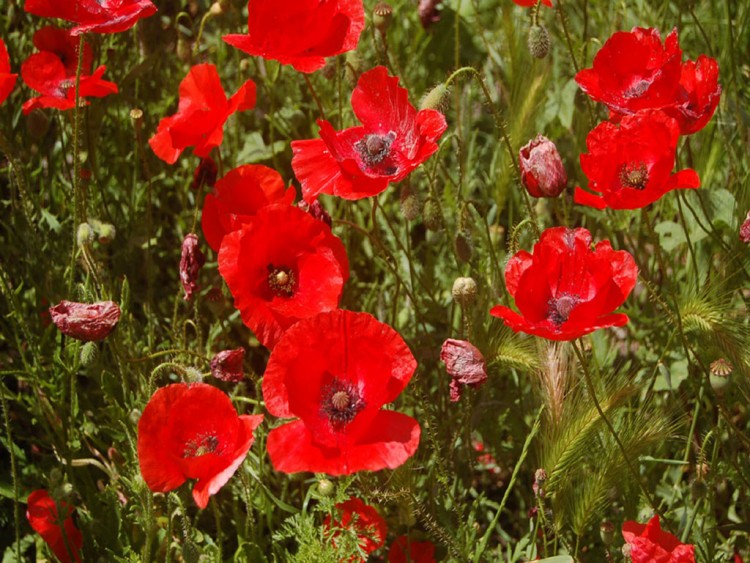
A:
x: 281, y: 281
x: 561, y: 307
x: 634, y: 175
x: 637, y: 89
x: 373, y: 149
x: 341, y: 403
x: 201, y: 445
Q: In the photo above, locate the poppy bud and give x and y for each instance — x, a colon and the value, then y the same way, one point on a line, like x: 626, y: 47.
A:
x: 542, y: 171
x: 38, y: 123
x: 85, y: 321
x: 465, y: 364
x: 463, y: 245
x: 435, y: 98
x: 184, y: 49
x: 464, y: 291
x: 538, y: 41
x: 432, y: 216
x: 745, y: 230
x: 216, y: 9
x: 317, y: 211
x: 227, y: 365
x: 382, y: 15
x: 205, y: 174
x: 410, y: 204
x: 326, y: 487
x: 84, y: 234
x: 191, y: 262
x: 106, y: 231
x: 607, y: 532
x: 428, y: 12
x: 88, y: 353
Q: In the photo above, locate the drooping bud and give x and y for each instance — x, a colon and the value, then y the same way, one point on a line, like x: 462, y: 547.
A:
x: 88, y: 353
x: 538, y: 41
x: 205, y: 174
x: 465, y: 364
x: 428, y: 12
x: 432, y: 216
x: 382, y: 15
x: 84, y: 234
x: 463, y: 245
x: 745, y: 230
x: 436, y: 98
x: 106, y: 231
x: 326, y: 487
x: 410, y: 204
x: 464, y: 291
x: 227, y: 365
x: 317, y: 211
x: 184, y: 48
x: 191, y: 262
x: 542, y: 170
x: 85, y: 321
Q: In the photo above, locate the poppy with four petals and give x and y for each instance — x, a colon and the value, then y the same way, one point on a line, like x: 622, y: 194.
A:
x: 301, y: 33
x: 7, y: 80
x: 238, y: 196
x: 334, y: 372
x: 45, y: 516
x: 95, y: 16
x: 192, y: 431
x: 201, y: 113
x: 648, y: 543
x: 363, y: 519
x: 566, y: 289
x: 52, y: 72
x: 360, y: 162
x: 281, y: 267
x: 629, y: 165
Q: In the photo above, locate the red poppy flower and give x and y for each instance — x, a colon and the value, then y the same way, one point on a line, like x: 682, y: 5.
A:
x: 201, y: 113
x: 45, y: 517
x: 649, y: 544
x: 634, y: 71
x: 86, y: 321
x: 97, y: 16
x: 7, y: 80
x: 465, y: 364
x: 238, y: 196
x: 565, y: 289
x: 365, y: 521
x: 359, y: 162
x: 630, y: 165
x: 699, y: 95
x: 334, y: 372
x: 282, y: 267
x: 405, y: 550
x: 192, y: 432
x: 52, y: 72
x: 531, y: 3
x: 299, y: 32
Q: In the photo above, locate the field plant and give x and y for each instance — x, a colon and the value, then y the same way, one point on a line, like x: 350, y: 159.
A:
x: 334, y: 280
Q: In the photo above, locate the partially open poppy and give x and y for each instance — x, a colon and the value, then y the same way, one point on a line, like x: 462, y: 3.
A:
x: 334, y: 372
x: 201, y: 113
x: 96, y: 16
x: 52, y: 72
x: 282, y: 267
x: 566, y: 289
x: 406, y: 550
x: 369, y: 526
x: 360, y: 162
x: 299, y: 32
x: 45, y: 516
x: 7, y: 80
x: 86, y: 321
x: 698, y: 96
x: 238, y: 196
x: 192, y: 432
x: 648, y: 543
x: 634, y: 71
x: 630, y: 165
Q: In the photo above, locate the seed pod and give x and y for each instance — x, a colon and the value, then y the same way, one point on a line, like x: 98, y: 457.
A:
x: 382, y: 15
x: 539, y: 41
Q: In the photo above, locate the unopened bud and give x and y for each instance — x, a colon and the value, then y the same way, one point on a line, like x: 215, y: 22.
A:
x: 542, y: 170
x: 38, y: 123
x: 106, y: 231
x: 216, y: 9
x: 432, y: 216
x: 539, y: 41
x: 464, y: 291
x: 463, y: 245
x: 410, y: 204
x: 607, y: 532
x: 184, y: 49
x: 84, y: 234
x: 325, y: 487
x: 382, y: 15
x: 88, y: 353
x: 436, y: 98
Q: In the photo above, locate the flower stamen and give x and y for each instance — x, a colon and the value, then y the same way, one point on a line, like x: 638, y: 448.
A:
x: 341, y: 403
x: 281, y: 281
x: 634, y: 175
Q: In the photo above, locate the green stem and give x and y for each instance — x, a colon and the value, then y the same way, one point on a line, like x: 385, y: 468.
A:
x: 314, y: 95
x: 13, y: 472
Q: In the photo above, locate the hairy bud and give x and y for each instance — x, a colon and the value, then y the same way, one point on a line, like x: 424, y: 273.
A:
x: 464, y: 291
x: 538, y: 41
x: 432, y: 216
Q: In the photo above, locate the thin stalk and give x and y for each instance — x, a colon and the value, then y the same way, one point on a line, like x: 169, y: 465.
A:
x: 314, y: 95
x: 13, y: 472
x: 79, y: 204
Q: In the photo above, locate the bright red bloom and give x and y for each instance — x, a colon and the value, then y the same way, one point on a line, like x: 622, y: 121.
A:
x: 52, y: 72
x: 565, y: 289
x: 201, y: 113
x: 405, y: 550
x: 45, y: 517
x: 282, y: 267
x: 7, y: 80
x: 192, y: 432
x: 238, y: 196
x: 359, y: 162
x: 334, y: 372
x: 531, y: 3
x: 364, y: 519
x: 542, y: 170
x: 650, y: 544
x: 86, y: 321
x: 634, y: 71
x: 630, y: 165
x: 464, y: 363
x: 301, y: 33
x: 698, y: 96
x: 96, y: 16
